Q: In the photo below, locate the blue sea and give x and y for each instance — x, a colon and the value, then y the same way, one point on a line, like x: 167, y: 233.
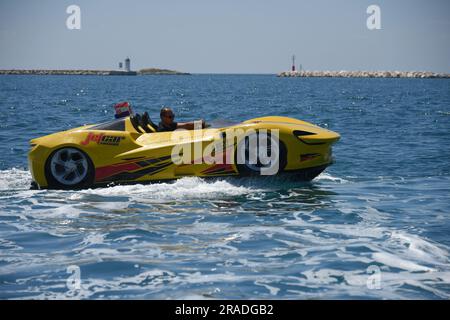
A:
x: 374, y: 225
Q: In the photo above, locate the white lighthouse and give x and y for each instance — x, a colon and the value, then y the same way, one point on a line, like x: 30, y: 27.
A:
x: 127, y: 64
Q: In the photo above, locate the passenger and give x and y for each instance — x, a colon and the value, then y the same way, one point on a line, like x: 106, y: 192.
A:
x: 168, y: 124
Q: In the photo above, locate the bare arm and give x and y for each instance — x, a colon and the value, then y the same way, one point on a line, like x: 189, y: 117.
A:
x: 191, y: 125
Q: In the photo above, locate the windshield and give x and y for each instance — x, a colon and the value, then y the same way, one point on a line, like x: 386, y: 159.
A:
x: 115, y: 125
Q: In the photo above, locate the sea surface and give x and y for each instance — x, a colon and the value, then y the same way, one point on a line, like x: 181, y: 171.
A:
x: 375, y: 225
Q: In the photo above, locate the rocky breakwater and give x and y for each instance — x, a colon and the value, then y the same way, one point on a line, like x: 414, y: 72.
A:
x: 364, y: 74
x: 149, y: 71
x: 56, y: 72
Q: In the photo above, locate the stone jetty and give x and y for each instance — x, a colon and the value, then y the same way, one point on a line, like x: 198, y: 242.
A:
x: 66, y: 72
x: 364, y: 74
x: 150, y: 71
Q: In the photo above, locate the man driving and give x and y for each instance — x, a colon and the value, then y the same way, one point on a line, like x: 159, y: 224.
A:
x: 168, y: 122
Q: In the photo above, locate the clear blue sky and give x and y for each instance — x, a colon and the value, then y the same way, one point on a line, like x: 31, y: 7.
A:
x: 227, y: 36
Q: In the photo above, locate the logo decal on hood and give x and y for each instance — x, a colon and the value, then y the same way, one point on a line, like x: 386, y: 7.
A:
x: 102, y: 138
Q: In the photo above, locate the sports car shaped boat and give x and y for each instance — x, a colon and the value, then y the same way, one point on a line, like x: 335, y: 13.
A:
x: 129, y: 150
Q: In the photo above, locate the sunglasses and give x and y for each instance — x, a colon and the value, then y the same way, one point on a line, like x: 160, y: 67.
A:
x: 170, y: 116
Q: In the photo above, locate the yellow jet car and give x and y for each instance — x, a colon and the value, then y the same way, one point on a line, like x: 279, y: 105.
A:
x: 129, y: 150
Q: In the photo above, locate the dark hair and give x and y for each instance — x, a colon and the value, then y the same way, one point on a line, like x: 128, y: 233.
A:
x: 164, y: 110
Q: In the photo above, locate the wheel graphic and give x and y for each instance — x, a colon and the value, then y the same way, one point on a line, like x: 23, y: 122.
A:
x: 69, y: 168
x: 260, y: 154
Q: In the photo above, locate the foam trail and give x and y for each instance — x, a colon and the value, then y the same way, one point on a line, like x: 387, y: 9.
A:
x: 184, y: 188
x: 325, y: 176
x: 397, y: 262
x: 14, y: 179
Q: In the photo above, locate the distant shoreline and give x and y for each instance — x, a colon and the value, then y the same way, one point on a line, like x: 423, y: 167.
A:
x: 285, y: 74
x: 365, y: 74
x: 149, y: 71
